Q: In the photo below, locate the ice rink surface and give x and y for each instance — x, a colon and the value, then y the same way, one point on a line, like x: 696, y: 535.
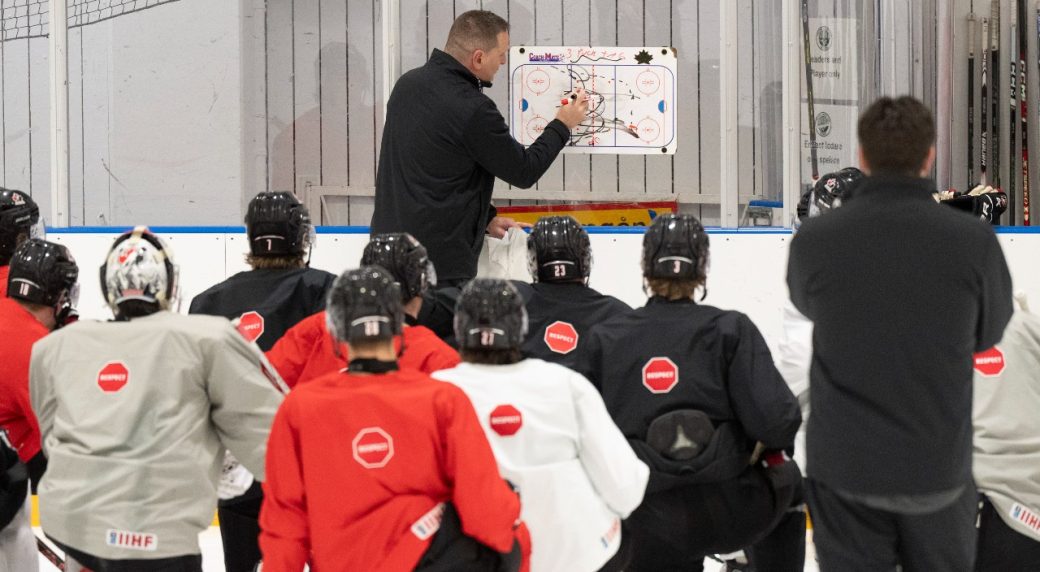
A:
x: 213, y: 554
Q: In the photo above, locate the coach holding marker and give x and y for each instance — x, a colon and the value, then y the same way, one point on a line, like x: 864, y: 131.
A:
x: 444, y: 143
x: 901, y: 292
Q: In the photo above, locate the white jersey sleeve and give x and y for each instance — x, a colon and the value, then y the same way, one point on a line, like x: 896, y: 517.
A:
x: 616, y: 472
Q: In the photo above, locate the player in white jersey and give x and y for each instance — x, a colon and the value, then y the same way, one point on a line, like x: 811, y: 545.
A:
x: 552, y: 436
x: 135, y: 415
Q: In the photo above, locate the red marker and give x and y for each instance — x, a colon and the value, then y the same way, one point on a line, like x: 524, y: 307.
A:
x: 566, y: 100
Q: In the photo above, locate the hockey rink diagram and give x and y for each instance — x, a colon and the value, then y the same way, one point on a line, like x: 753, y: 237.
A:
x: 632, y: 94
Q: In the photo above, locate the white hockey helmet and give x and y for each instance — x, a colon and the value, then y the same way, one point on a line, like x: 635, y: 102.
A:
x: 140, y: 267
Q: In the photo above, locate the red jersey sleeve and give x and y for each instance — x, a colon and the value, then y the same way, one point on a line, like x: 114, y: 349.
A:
x: 427, y: 353
x: 289, y: 354
x: 487, y: 507
x: 284, y: 532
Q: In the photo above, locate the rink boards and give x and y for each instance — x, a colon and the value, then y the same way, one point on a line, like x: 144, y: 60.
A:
x: 747, y: 268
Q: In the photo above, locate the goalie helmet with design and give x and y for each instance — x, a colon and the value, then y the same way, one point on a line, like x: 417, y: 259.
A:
x: 490, y: 315
x: 278, y: 225
x: 44, y: 273
x: 139, y: 267
x: 675, y: 247
x: 558, y: 250
x: 406, y: 260
x: 833, y: 188
x: 19, y: 215
x: 364, y: 304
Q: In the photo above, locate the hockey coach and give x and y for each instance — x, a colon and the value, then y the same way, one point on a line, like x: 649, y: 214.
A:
x: 901, y: 293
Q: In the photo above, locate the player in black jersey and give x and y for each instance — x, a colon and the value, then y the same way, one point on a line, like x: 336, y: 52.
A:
x: 279, y: 291
x: 561, y: 307
x: 694, y: 390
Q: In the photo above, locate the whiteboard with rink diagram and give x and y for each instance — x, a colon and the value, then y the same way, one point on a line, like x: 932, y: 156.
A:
x: 632, y: 94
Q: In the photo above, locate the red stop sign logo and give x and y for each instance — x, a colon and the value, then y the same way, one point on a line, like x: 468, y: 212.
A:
x: 373, y: 447
x: 990, y: 362
x: 251, y: 326
x: 660, y: 375
x: 561, y: 337
x: 506, y: 420
x: 113, y: 376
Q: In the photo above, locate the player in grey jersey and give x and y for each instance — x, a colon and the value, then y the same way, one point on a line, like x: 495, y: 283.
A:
x: 135, y: 415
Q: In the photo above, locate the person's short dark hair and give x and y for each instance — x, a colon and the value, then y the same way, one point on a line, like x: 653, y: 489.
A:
x: 491, y: 357
x: 475, y: 30
x: 896, y: 135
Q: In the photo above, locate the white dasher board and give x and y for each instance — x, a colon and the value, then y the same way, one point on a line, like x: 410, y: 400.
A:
x: 632, y: 94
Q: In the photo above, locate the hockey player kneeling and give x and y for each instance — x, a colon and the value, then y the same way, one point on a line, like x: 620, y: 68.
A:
x: 135, y: 416
x: 552, y: 436
x: 278, y: 292
x: 560, y: 304
x: 694, y: 389
x: 375, y: 468
x: 41, y: 298
x: 307, y: 351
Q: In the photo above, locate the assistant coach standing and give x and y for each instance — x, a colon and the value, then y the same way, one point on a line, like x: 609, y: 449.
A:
x: 901, y: 292
x: 444, y: 143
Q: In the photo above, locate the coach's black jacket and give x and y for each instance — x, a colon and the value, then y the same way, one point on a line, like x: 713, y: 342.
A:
x: 444, y: 142
x: 901, y: 292
x: 573, y: 303
x: 725, y: 370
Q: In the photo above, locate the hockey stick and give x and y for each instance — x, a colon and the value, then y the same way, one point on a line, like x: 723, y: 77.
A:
x: 984, y: 108
x: 994, y: 54
x: 1013, y: 116
x: 50, y: 554
x: 1023, y: 48
x: 971, y: 100
x: 809, y: 91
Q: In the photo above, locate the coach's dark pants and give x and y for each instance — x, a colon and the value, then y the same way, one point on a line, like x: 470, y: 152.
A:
x: 1002, y: 548
x: 850, y: 536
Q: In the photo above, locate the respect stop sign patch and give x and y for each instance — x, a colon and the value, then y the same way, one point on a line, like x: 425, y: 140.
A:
x: 660, y: 374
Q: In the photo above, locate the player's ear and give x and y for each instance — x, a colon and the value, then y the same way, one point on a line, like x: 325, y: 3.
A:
x: 863, y: 165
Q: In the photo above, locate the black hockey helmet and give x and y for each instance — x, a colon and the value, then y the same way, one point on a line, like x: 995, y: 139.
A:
x: 406, y: 260
x: 19, y: 214
x: 364, y: 304
x: 43, y: 273
x: 139, y: 267
x: 490, y: 314
x: 558, y: 250
x: 675, y: 246
x: 832, y: 189
x: 278, y: 225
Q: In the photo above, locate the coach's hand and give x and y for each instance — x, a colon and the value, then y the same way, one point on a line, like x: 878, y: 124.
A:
x: 501, y: 224
x: 574, y: 111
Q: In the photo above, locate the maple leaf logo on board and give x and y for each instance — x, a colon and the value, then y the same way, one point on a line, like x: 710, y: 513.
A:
x: 643, y: 57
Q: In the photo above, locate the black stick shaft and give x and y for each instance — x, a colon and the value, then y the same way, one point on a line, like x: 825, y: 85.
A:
x: 809, y: 91
x: 994, y: 53
x: 971, y: 100
x: 984, y: 107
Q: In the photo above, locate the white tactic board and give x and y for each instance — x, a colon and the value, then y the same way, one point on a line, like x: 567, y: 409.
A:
x: 632, y: 94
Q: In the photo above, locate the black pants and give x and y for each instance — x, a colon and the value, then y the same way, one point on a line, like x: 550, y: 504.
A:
x: 674, y: 529
x: 850, y: 536
x: 240, y: 532
x: 187, y: 563
x: 783, y: 549
x: 452, y: 551
x: 1002, y: 548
